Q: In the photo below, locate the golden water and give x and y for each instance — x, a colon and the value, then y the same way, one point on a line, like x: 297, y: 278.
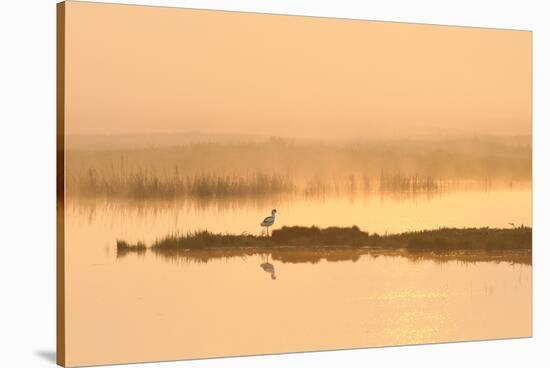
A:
x: 142, y: 308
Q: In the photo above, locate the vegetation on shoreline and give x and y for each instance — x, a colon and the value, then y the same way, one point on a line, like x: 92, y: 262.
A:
x: 314, y: 238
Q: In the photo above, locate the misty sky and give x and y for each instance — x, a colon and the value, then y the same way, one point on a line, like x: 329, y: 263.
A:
x: 133, y: 69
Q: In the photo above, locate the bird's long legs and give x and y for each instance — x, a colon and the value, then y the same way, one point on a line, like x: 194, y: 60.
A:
x: 266, y: 231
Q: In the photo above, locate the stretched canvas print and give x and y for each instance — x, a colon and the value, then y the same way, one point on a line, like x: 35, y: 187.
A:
x: 235, y: 183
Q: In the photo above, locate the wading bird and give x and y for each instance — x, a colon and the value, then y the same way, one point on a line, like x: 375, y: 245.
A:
x: 269, y: 220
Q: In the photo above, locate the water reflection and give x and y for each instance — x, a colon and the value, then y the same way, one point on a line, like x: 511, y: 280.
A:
x: 294, y: 254
x: 326, y: 299
x: 373, y: 212
x: 88, y: 205
x: 268, y: 267
x: 323, y: 298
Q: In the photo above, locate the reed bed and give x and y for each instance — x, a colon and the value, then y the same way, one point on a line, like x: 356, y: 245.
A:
x: 206, y: 170
x: 143, y: 184
x: 444, y: 239
x: 409, y: 183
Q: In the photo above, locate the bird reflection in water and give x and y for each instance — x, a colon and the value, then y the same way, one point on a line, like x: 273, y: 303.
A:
x: 268, y: 267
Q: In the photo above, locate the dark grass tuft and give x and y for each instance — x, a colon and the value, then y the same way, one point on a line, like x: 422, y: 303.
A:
x: 298, y: 235
x: 123, y: 248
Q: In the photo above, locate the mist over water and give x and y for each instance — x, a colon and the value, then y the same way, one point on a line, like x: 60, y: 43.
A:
x: 231, y: 169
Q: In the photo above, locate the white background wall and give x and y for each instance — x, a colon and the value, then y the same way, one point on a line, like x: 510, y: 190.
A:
x: 27, y: 180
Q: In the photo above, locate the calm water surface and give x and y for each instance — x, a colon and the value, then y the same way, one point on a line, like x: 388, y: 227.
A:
x: 139, y: 308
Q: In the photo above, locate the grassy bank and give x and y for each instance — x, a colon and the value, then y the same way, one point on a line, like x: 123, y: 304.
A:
x: 312, y: 238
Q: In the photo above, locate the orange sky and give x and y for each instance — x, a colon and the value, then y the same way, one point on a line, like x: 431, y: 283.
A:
x: 136, y: 69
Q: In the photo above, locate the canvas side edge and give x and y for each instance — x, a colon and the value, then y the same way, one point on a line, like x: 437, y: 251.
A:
x: 60, y: 186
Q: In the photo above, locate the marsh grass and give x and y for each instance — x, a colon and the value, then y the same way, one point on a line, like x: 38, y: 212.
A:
x: 207, y: 170
x: 314, y: 238
x: 148, y: 185
x: 123, y: 248
x: 462, y: 239
x: 143, y: 184
x: 409, y: 183
x: 205, y: 239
